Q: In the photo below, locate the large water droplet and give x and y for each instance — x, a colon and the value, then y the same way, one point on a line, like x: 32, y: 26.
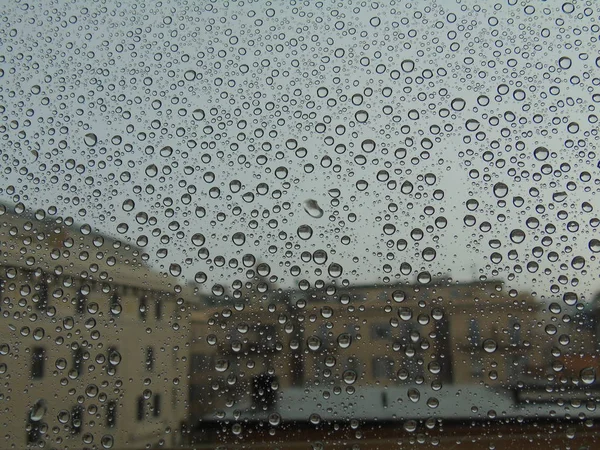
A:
x: 414, y: 395
x: 500, y: 190
x: 313, y: 343
x: 349, y: 376
x: 305, y: 232
x: 490, y: 346
x: 541, y: 153
x: 344, y: 340
x: 90, y: 139
x: 313, y: 209
x: 588, y: 375
x: 38, y: 410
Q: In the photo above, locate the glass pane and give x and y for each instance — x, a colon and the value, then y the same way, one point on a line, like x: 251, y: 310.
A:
x: 361, y: 224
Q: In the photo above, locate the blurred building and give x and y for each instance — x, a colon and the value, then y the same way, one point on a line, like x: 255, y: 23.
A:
x: 253, y: 348
x: 93, y: 343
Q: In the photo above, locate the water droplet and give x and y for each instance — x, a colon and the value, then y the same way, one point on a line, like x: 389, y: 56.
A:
x: 500, y: 190
x: 107, y: 441
x: 588, y: 375
x: 198, y: 114
x: 433, y: 402
x: 221, y: 364
x: 410, y: 426
x: 349, y: 376
x: 361, y: 116
x: 517, y: 236
x: 114, y: 358
x: 368, y: 145
x: 305, y: 232
x: 414, y: 395
x: 490, y: 345
x: 428, y: 254
x: 274, y: 419
x: 565, y: 62
x: 90, y: 139
x: 408, y: 65
x: 458, y: 104
x: 326, y: 312
x: 594, y: 245
x: 238, y: 238
x: 175, y: 269
x: 344, y: 340
x: 313, y: 209
x: 399, y: 296
x: 38, y: 410
x: 335, y: 270
x: 313, y: 343
x: 541, y: 153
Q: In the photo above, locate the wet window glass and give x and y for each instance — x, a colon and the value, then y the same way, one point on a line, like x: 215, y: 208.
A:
x: 299, y: 224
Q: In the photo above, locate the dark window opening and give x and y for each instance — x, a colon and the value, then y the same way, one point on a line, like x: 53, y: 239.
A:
x: 78, y: 361
x: 33, y: 429
x: 115, y: 305
x: 263, y: 394
x: 76, y: 420
x: 201, y: 363
x: 140, y: 408
x: 150, y: 358
x: 80, y: 303
x: 380, y: 331
x: 111, y: 414
x: 113, y: 360
x: 143, y: 308
x: 157, y: 405
x: 37, y: 363
x: 474, y: 332
x: 158, y: 310
x: 42, y: 294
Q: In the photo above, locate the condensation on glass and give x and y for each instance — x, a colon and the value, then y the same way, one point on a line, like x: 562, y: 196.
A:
x: 299, y: 223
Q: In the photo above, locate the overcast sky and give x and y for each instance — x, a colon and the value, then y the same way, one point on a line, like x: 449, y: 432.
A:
x: 391, y: 121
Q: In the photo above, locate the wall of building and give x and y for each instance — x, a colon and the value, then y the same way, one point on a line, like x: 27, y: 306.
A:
x: 82, y: 362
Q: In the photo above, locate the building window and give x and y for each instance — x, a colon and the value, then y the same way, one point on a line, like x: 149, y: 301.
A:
x: 113, y: 360
x: 115, y: 305
x: 380, y: 331
x: 76, y: 419
x: 33, y: 430
x: 514, y: 332
x: 140, y: 408
x: 80, y: 302
x: 201, y: 363
x: 42, y: 293
x: 143, y: 308
x: 111, y: 414
x: 263, y: 394
x: 156, y: 405
x: 150, y: 358
x: 159, y: 309
x: 78, y: 361
x: 174, y: 398
x: 383, y: 368
x: 37, y: 363
x: 474, y: 332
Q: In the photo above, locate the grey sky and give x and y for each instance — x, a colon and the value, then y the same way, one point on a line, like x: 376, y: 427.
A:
x: 260, y: 73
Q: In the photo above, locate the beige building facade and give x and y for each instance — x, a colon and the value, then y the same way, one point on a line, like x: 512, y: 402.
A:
x: 93, y: 343
x: 247, y: 353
